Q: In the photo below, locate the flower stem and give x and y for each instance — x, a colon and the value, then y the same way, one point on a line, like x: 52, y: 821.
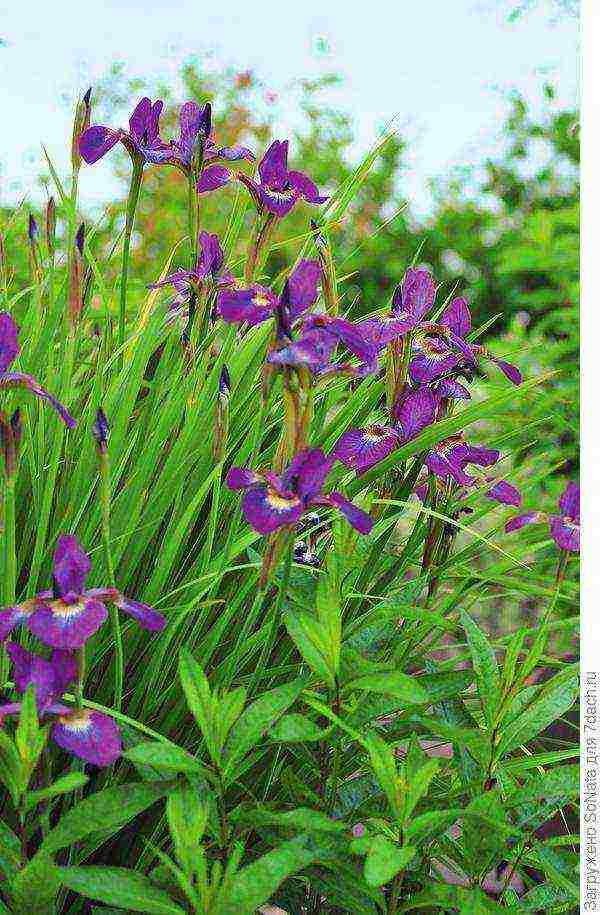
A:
x: 105, y: 499
x: 132, y: 202
x: 10, y: 552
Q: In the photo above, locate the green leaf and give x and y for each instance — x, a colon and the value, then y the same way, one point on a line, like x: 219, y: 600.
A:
x: 187, y: 817
x: 418, y: 785
x: 384, y: 767
x: 70, y: 782
x: 301, y: 819
x: 312, y: 640
x: 427, y: 825
x: 485, y: 666
x: 384, y: 860
x: 406, y: 689
x: 256, y: 721
x: 119, y: 886
x: 35, y: 886
x: 10, y: 850
x: 163, y: 756
x: 555, y: 698
x: 257, y: 882
x: 198, y: 697
x: 295, y: 728
x: 106, y: 812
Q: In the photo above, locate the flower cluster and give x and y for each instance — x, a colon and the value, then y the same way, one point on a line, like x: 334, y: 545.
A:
x: 64, y: 618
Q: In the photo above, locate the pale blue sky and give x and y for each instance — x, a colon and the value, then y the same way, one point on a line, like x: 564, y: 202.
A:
x: 443, y: 68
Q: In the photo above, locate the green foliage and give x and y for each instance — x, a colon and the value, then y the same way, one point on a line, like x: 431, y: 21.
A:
x: 355, y: 736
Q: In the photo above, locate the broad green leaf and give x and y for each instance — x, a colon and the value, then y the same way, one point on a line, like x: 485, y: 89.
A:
x: 256, y: 883
x: 119, y: 886
x: 256, y: 720
x: 428, y: 825
x: 312, y: 640
x: 70, y: 782
x: 163, y: 756
x: 295, y: 728
x: 10, y: 850
x: 198, y: 696
x: 35, y: 886
x: 418, y: 785
x: 187, y: 817
x: 555, y: 698
x: 384, y: 767
x: 106, y: 811
x: 486, y: 670
x: 406, y: 689
x: 384, y: 860
x: 302, y: 819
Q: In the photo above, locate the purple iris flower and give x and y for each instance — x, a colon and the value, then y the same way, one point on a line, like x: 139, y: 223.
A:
x: 142, y: 141
x: 88, y: 734
x: 209, y: 269
x: 411, y: 301
x: 9, y: 350
x: 441, y: 347
x: 361, y: 449
x: 272, y: 502
x: 279, y: 188
x: 564, y: 527
x: 195, y: 123
x: 257, y: 303
x: 67, y: 616
x: 500, y: 491
x: 318, y: 339
x: 448, y: 458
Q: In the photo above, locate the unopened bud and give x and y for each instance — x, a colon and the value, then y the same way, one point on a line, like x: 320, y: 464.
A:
x: 329, y: 278
x: 221, y: 428
x: 76, y: 267
x: 81, y: 122
x: 224, y: 381
x: 32, y: 229
x: 51, y: 227
x: 10, y: 440
x: 101, y: 431
x: 34, y: 258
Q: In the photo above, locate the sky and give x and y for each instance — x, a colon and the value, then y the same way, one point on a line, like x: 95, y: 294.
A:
x: 443, y: 69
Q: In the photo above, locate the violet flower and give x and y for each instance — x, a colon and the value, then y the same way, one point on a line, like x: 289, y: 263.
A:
x: 278, y: 189
x: 564, y: 527
x: 500, y: 491
x: 448, y: 458
x: 9, y: 350
x: 361, y: 449
x: 67, y: 616
x: 209, y: 268
x: 195, y: 124
x: 88, y: 734
x: 257, y: 303
x: 441, y: 347
x: 272, y: 502
x: 142, y: 141
x: 317, y: 342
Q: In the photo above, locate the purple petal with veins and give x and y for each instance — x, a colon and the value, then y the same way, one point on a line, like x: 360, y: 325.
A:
x: 71, y: 567
x: 63, y: 625
x: 90, y: 735
x: 146, y: 616
x: 359, y: 519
